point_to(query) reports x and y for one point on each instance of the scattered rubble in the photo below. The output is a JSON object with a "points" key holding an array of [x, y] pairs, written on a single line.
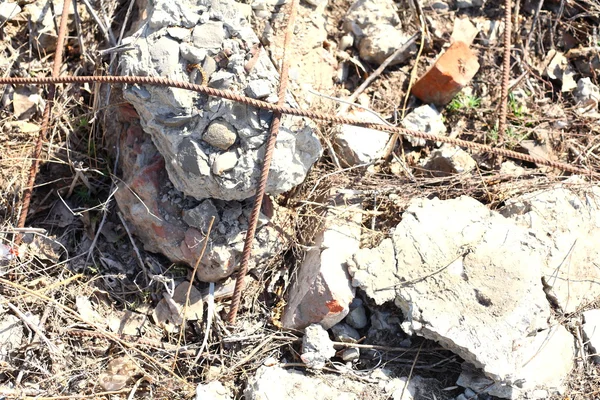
{"points": [[173, 224], [192, 131], [425, 118], [317, 348], [377, 30], [321, 292], [356, 145], [450, 283], [449, 160]]}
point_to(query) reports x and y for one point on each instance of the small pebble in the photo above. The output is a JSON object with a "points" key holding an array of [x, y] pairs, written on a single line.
{"points": [[357, 318], [351, 354]]}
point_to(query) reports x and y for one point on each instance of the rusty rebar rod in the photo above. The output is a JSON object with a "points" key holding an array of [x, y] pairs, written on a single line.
{"points": [[37, 152], [229, 95], [264, 174], [505, 69]]}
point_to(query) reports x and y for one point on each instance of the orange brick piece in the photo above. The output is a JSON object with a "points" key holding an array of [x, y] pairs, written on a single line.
{"points": [[450, 73]]}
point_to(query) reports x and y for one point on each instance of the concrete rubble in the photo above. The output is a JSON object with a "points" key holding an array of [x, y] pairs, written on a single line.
{"points": [[275, 382], [199, 157], [317, 348], [214, 147], [356, 145], [321, 292], [452, 282], [377, 30], [425, 118]]}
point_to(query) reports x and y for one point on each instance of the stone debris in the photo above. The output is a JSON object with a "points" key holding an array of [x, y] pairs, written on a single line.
{"points": [[450, 284], [425, 118], [275, 382], [356, 145], [591, 333], [169, 312], [345, 333], [213, 391], [464, 31], [449, 160], [565, 224], [173, 224], [317, 348], [216, 148], [452, 71], [9, 11], [321, 292], [377, 30], [587, 96], [357, 318]]}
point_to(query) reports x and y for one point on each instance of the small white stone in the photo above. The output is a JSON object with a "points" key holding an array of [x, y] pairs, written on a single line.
{"points": [[224, 162]]}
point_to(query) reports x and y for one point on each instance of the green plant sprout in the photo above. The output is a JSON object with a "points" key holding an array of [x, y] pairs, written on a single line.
{"points": [[464, 102]]}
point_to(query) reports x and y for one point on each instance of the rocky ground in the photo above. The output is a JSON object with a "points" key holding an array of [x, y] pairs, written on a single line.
{"points": [[382, 267]]}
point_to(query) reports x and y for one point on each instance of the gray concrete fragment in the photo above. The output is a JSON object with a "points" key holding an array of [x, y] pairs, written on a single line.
{"points": [[356, 145], [377, 29], [345, 333], [317, 348], [425, 118], [213, 391], [357, 318], [455, 261], [209, 35], [200, 216], [449, 160], [191, 53], [351, 354], [565, 225], [591, 332], [157, 53]]}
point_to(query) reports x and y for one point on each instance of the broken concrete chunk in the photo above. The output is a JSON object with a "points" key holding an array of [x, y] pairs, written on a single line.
{"points": [[377, 29], [317, 348], [322, 292], [565, 225], [201, 216], [372, 268], [345, 333], [449, 160], [425, 118], [454, 261], [191, 163], [213, 391], [452, 71], [9, 11], [357, 145]]}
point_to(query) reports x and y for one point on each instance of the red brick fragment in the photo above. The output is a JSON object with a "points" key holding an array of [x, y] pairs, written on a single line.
{"points": [[450, 73]]}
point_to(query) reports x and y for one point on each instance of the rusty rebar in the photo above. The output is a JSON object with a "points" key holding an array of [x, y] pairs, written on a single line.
{"points": [[225, 94], [505, 69], [264, 174], [37, 152]]}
